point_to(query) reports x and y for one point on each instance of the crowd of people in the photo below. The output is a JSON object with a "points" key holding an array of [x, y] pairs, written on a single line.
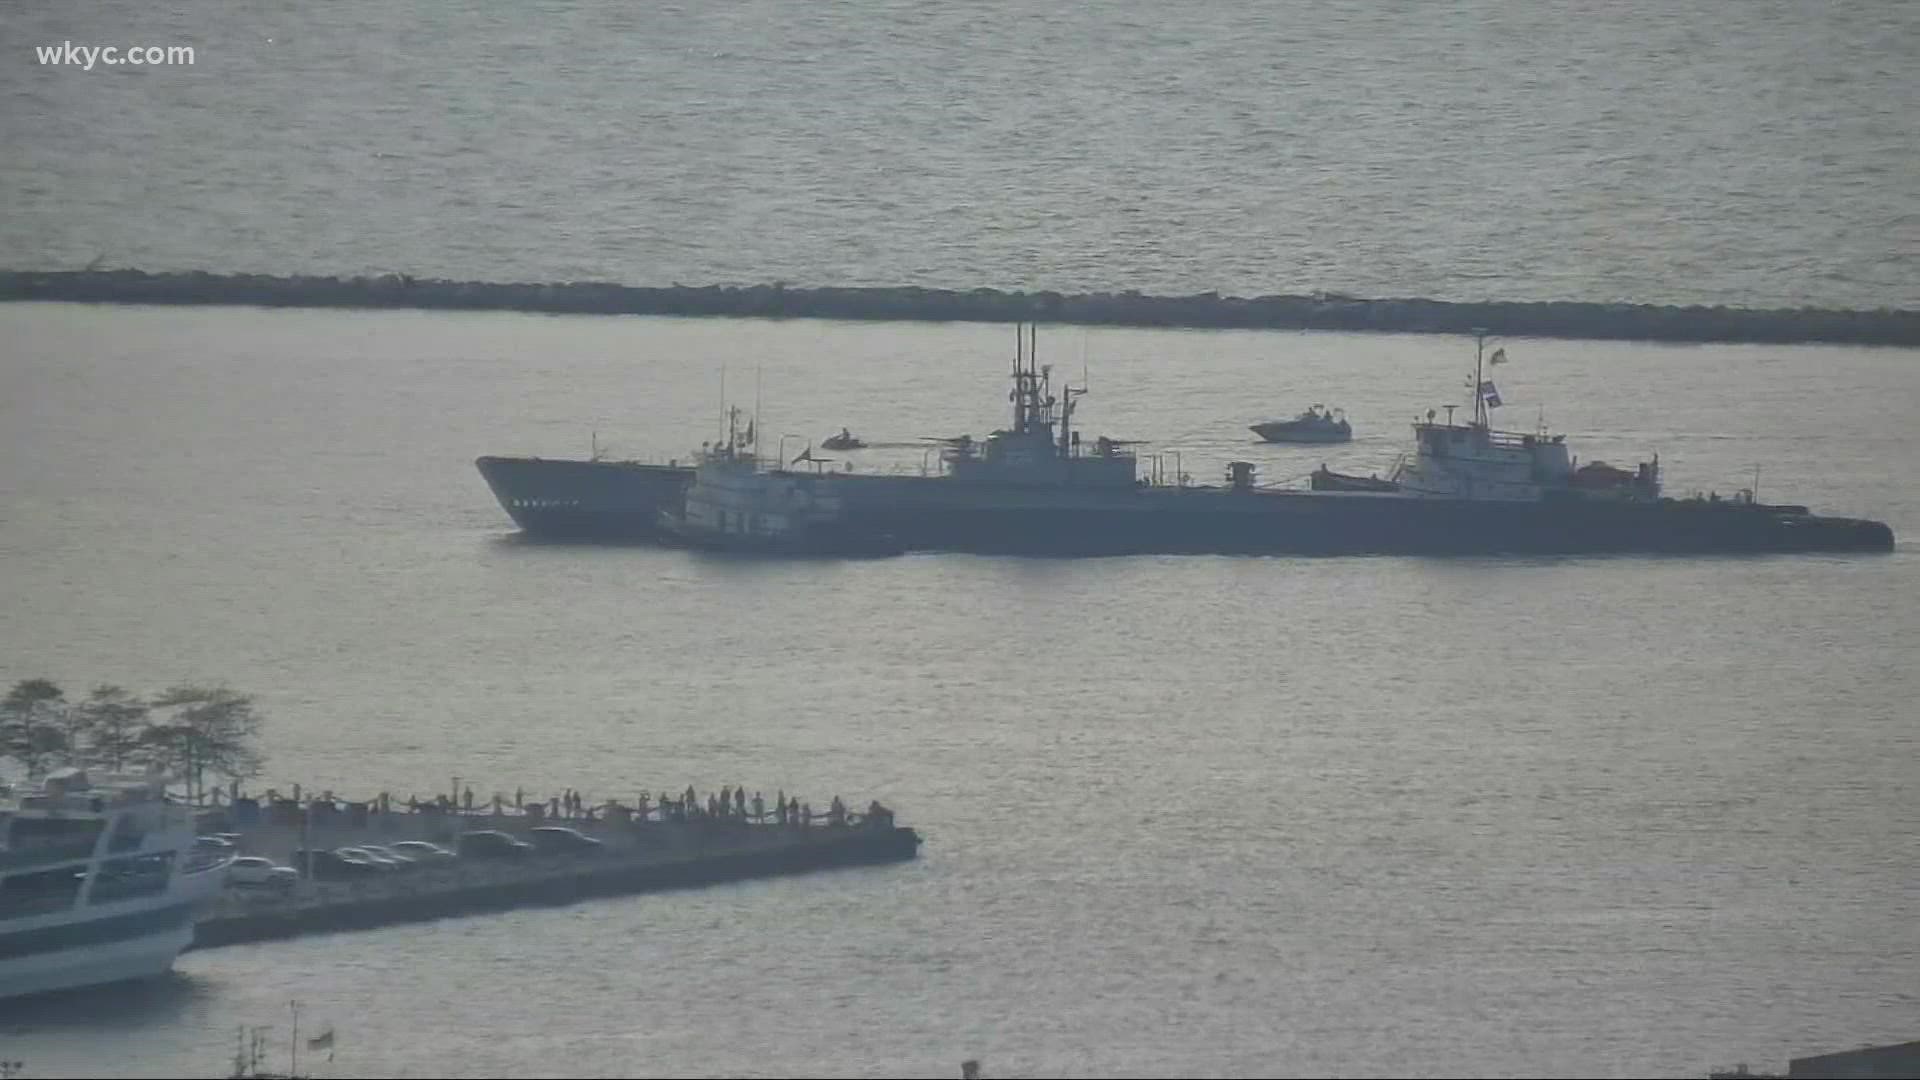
{"points": [[730, 804]]}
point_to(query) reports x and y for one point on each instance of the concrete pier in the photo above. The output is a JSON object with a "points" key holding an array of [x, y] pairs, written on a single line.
{"points": [[678, 845]]}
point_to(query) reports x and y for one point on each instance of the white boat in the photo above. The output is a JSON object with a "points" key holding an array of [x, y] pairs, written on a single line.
{"points": [[1318, 424], [100, 882]]}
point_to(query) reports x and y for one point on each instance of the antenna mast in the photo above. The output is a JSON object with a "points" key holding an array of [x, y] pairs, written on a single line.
{"points": [[1019, 376], [1479, 398]]}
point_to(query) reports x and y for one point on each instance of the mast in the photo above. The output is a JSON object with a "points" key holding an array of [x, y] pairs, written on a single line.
{"points": [[1019, 377], [1479, 398]]}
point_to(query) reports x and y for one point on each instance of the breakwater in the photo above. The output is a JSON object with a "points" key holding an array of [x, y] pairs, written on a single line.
{"points": [[1552, 319]]}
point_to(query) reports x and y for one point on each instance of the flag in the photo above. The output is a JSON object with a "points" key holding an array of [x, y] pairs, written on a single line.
{"points": [[749, 431], [322, 1041], [1489, 395], [804, 455], [1499, 357]]}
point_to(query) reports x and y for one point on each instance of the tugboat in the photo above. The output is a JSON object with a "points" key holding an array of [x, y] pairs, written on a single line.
{"points": [[846, 440], [736, 504], [1318, 424]]}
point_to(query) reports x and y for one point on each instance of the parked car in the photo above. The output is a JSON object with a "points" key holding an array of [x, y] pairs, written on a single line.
{"points": [[254, 872], [422, 851], [494, 844], [353, 851], [334, 866], [553, 839], [382, 851]]}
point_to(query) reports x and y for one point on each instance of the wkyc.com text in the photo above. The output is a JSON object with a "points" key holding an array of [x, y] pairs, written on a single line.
{"points": [[84, 57]]}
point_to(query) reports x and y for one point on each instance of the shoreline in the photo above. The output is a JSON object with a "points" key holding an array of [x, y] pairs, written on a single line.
{"points": [[1325, 312]]}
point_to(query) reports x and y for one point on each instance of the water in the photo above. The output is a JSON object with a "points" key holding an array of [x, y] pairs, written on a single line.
{"points": [[1184, 816], [1736, 152]]}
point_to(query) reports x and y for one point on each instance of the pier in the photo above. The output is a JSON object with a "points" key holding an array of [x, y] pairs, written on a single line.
{"points": [[678, 842]]}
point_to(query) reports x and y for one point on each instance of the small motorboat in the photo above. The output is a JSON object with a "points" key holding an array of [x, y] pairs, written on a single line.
{"points": [[846, 440], [1318, 424]]}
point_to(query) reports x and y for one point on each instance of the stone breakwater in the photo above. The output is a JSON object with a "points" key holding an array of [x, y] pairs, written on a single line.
{"points": [[1557, 319]]}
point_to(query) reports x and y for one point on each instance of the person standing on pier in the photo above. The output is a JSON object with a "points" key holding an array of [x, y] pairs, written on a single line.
{"points": [[759, 807], [739, 801]]}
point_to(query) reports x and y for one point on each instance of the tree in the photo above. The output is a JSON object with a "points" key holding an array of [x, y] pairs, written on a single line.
{"points": [[115, 725], [32, 723], [212, 730]]}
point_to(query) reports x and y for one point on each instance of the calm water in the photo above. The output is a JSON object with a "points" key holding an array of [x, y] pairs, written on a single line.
{"points": [[1747, 152], [1184, 816]]}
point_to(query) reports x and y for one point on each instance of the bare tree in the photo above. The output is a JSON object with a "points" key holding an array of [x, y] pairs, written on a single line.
{"points": [[32, 723], [115, 725], [211, 730]]}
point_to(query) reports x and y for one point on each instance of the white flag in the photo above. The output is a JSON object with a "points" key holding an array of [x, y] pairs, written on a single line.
{"points": [[1499, 357]]}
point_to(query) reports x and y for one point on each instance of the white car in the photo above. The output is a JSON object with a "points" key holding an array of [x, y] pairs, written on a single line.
{"points": [[422, 851], [254, 872]]}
